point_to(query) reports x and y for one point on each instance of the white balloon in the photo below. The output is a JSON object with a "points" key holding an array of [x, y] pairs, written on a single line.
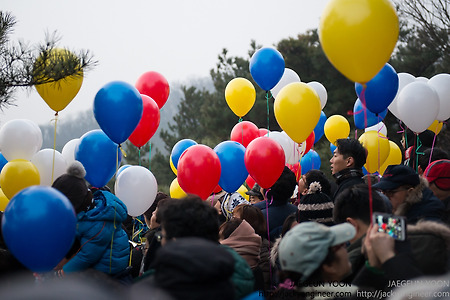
{"points": [[68, 151], [418, 104], [321, 91], [403, 80], [380, 127], [50, 164], [294, 150], [441, 84], [136, 186], [289, 76], [20, 139], [283, 141]]}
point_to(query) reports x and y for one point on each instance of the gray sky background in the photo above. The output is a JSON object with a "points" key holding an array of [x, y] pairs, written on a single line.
{"points": [[180, 39]]}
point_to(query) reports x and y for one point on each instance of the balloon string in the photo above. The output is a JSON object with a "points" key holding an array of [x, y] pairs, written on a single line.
{"points": [[124, 154], [268, 229], [131, 248], [242, 130], [54, 146], [149, 154], [356, 133], [267, 101], [117, 160], [138, 232], [139, 153], [432, 145], [419, 145]]}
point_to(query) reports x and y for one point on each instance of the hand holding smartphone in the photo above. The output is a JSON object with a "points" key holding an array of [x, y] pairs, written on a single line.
{"points": [[393, 225]]}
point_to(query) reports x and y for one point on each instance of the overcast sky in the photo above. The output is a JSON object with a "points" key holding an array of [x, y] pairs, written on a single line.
{"points": [[180, 39]]}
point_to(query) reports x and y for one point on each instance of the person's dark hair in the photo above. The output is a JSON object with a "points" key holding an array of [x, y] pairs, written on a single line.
{"points": [[352, 148], [161, 204], [287, 224], [227, 228], [283, 188], [437, 154], [152, 208], [354, 202], [189, 217], [319, 176], [254, 217]]}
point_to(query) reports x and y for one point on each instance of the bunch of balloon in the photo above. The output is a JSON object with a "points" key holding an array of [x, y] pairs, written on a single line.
{"points": [[172, 167], [250, 181], [244, 132], [17, 175], [118, 109], [319, 129], [199, 171], [441, 84], [365, 118], [233, 172], [336, 127], [380, 90], [175, 190], [394, 157], [378, 148], [264, 160], [3, 201], [154, 85], [358, 36], [321, 91], [49, 213], [136, 186], [263, 131], [240, 95], [282, 139], [297, 110], [68, 151], [99, 156], [380, 127], [403, 80], [50, 164]]}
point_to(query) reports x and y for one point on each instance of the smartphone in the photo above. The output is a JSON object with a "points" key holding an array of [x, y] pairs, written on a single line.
{"points": [[395, 226]]}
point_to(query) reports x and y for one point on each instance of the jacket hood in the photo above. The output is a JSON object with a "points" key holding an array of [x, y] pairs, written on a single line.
{"points": [[107, 208]]}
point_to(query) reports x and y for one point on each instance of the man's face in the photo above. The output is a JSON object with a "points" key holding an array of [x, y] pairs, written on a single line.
{"points": [[397, 196], [338, 162]]}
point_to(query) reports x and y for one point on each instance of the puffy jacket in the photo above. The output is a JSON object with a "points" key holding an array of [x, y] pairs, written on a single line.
{"points": [[104, 244]]}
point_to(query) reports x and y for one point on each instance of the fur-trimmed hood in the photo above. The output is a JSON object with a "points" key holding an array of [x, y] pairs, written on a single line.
{"points": [[420, 203]]}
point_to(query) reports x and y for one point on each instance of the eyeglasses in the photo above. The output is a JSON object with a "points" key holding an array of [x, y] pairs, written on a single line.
{"points": [[390, 193]]}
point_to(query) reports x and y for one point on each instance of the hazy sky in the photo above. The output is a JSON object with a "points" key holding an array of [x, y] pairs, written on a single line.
{"points": [[180, 39]]}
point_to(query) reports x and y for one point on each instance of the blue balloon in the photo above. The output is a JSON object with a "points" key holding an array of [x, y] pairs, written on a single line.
{"points": [[380, 90], [365, 172], [364, 118], [332, 148], [118, 109], [267, 67], [319, 129], [51, 217], [3, 161], [233, 171], [179, 148], [311, 161], [99, 155]]}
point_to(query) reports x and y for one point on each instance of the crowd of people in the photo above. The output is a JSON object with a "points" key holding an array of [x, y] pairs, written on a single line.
{"points": [[305, 239]]}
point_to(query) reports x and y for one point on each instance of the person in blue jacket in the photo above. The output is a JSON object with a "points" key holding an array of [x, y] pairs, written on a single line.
{"points": [[103, 243]]}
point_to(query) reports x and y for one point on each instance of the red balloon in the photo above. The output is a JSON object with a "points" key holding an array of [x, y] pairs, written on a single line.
{"points": [[264, 160], [309, 142], [217, 189], [263, 131], [155, 86], [297, 169], [148, 124], [250, 181], [244, 132], [199, 171]]}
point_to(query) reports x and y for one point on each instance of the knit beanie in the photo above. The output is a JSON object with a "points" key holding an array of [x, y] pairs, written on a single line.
{"points": [[315, 206], [74, 187]]}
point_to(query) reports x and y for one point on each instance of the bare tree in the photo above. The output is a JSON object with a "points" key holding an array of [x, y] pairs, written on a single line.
{"points": [[22, 65]]}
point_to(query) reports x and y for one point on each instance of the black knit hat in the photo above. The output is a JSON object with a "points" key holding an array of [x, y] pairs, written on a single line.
{"points": [[315, 206], [74, 187]]}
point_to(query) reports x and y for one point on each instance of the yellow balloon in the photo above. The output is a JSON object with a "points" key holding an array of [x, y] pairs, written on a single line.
{"points": [[336, 127], [240, 95], [18, 174], [176, 191], [394, 158], [358, 36], [172, 166], [60, 93], [241, 190], [3, 201], [378, 148], [436, 127], [297, 109]]}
